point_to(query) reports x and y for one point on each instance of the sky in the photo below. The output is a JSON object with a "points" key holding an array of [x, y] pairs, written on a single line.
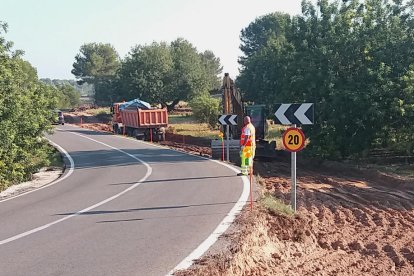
{"points": [[52, 31]]}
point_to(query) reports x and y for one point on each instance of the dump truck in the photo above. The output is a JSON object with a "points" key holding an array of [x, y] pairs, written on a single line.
{"points": [[137, 119]]}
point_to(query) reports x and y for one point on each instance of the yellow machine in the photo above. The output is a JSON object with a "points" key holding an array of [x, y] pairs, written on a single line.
{"points": [[232, 104]]}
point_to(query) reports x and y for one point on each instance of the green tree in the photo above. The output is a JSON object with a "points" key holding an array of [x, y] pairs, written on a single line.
{"points": [[257, 35], [206, 109], [68, 96], [166, 74], [213, 69], [189, 75], [146, 74], [351, 58], [97, 64], [25, 110]]}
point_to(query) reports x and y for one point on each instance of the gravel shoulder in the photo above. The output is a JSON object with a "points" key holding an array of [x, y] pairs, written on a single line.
{"points": [[44, 177]]}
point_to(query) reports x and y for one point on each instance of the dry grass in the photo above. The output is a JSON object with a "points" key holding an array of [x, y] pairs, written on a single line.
{"points": [[181, 119], [275, 205], [270, 202], [275, 133], [98, 111], [187, 125]]}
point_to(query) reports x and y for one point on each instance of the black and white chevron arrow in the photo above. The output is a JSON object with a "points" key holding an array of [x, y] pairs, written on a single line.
{"points": [[228, 119], [299, 114]]}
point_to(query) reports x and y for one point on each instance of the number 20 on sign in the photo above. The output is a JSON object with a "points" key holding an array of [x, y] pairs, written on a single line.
{"points": [[293, 139]]}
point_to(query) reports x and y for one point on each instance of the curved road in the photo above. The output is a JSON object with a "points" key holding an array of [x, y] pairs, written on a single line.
{"points": [[127, 208]]}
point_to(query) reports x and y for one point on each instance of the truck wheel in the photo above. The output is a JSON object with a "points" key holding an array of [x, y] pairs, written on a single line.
{"points": [[116, 129], [162, 134], [135, 133], [161, 137], [146, 135]]}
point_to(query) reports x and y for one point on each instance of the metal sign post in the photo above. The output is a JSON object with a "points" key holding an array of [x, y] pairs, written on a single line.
{"points": [[227, 120], [293, 190], [228, 143], [293, 138], [294, 141]]}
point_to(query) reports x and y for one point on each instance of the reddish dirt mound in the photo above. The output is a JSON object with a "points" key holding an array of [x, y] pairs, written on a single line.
{"points": [[97, 127], [80, 117], [194, 149], [187, 139], [350, 222]]}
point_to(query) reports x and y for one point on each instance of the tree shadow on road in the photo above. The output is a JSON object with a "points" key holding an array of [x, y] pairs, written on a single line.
{"points": [[103, 212], [177, 179], [114, 158]]}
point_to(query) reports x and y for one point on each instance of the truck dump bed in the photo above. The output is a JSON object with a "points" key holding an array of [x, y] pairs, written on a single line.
{"points": [[140, 118]]}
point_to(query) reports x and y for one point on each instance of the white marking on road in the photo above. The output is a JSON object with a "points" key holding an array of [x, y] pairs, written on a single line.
{"points": [[71, 169], [40, 228], [221, 228], [224, 224]]}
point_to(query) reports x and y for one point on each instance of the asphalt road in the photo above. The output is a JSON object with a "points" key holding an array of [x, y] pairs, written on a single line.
{"points": [[128, 208]]}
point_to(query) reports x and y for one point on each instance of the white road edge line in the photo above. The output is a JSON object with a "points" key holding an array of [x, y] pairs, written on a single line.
{"points": [[220, 229], [40, 228], [71, 169]]}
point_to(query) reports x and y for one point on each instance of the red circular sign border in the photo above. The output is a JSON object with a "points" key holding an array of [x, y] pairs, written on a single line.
{"points": [[300, 132]]}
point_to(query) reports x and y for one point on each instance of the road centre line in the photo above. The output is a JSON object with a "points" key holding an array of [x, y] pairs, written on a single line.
{"points": [[201, 249], [224, 224], [43, 227]]}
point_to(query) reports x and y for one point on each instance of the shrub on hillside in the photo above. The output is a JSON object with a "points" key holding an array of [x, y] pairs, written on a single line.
{"points": [[205, 109]]}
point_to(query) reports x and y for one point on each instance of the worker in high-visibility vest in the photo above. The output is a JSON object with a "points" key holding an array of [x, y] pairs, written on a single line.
{"points": [[247, 146]]}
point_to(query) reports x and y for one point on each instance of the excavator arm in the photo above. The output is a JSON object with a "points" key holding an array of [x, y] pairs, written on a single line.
{"points": [[232, 104]]}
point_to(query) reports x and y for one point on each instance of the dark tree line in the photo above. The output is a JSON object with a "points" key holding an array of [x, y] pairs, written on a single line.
{"points": [[353, 59], [157, 73]]}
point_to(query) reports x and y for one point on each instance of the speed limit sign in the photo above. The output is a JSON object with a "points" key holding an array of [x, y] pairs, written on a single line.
{"points": [[293, 139]]}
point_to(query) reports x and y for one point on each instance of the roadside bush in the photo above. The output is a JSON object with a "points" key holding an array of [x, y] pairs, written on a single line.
{"points": [[25, 115], [205, 109], [68, 96]]}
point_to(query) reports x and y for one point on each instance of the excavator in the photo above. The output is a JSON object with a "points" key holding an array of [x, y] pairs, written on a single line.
{"points": [[233, 104]]}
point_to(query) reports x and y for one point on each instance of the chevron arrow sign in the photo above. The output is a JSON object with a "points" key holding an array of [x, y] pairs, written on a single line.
{"points": [[228, 119], [290, 114]]}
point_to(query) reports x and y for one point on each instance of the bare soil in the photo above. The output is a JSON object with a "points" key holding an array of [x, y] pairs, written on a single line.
{"points": [[349, 222]]}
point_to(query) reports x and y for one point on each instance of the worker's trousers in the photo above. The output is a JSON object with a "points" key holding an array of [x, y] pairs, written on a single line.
{"points": [[246, 163]]}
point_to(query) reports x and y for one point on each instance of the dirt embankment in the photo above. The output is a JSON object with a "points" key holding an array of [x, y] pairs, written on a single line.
{"points": [[350, 222], [83, 119]]}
